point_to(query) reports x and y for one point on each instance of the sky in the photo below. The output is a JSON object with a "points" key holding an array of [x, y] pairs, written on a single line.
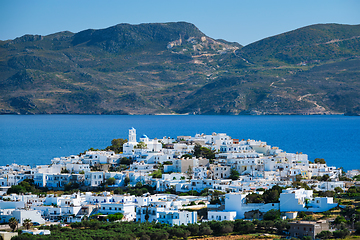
{"points": [[242, 21]]}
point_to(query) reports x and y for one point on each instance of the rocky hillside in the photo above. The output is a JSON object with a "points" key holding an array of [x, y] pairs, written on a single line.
{"points": [[175, 68]]}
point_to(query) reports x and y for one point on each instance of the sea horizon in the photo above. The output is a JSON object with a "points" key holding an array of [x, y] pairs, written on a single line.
{"points": [[36, 139]]}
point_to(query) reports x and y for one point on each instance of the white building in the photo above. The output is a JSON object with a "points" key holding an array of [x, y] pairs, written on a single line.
{"points": [[236, 202], [302, 200], [99, 157], [22, 214], [127, 209], [94, 179], [176, 217], [221, 215]]}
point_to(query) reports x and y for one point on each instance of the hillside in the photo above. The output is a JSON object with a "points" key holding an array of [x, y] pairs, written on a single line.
{"points": [[175, 68]]}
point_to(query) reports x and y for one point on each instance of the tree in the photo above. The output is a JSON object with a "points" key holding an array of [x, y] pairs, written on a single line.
{"points": [[24, 187], [156, 174], [272, 215], [357, 228], [125, 161], [27, 223], [141, 145], [117, 145], [205, 230], [204, 152], [282, 226], [243, 227], [324, 235], [189, 172], [341, 233], [71, 186], [319, 160], [339, 220], [298, 178], [194, 229], [306, 238], [338, 190], [357, 178], [234, 175], [215, 197], [272, 195], [187, 156], [254, 198], [325, 178], [13, 223], [110, 181], [115, 217], [118, 191], [126, 181]]}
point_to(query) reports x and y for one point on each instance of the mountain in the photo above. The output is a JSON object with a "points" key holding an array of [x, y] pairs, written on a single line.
{"points": [[175, 68], [321, 42]]}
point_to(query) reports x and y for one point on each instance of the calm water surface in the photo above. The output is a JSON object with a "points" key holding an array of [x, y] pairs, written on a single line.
{"points": [[37, 139]]}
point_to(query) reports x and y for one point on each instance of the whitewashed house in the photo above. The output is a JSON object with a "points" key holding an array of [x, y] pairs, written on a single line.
{"points": [[176, 217], [302, 200], [94, 179], [127, 209], [236, 202]]}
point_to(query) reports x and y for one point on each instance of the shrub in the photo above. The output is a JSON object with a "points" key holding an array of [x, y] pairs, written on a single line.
{"points": [[324, 235], [272, 215]]}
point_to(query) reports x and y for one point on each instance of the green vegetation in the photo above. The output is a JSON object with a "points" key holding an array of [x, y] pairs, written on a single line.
{"points": [[140, 145], [27, 223], [203, 152], [187, 156], [72, 187], [117, 145], [13, 223], [234, 175], [284, 74], [65, 170], [353, 191], [157, 174], [25, 186], [319, 160], [357, 178], [138, 190], [269, 196], [110, 181], [125, 161], [94, 229], [111, 218]]}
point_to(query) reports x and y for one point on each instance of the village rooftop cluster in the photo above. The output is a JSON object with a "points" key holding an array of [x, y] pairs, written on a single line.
{"points": [[238, 168]]}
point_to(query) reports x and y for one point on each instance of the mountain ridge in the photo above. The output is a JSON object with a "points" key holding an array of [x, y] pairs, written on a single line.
{"points": [[174, 68]]}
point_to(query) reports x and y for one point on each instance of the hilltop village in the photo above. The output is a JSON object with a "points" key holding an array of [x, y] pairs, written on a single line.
{"points": [[170, 180]]}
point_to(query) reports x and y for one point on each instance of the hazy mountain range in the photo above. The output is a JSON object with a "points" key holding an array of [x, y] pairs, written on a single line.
{"points": [[175, 68]]}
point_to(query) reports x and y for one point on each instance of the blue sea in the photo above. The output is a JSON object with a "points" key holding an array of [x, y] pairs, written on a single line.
{"points": [[36, 139]]}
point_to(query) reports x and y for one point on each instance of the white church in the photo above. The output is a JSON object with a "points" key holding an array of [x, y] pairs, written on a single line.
{"points": [[132, 147]]}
